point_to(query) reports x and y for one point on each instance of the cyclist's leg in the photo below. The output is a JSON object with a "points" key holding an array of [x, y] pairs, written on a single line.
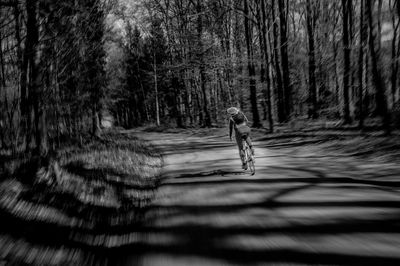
{"points": [[239, 142], [246, 134]]}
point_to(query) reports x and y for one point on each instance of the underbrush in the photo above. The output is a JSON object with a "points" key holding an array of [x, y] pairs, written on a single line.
{"points": [[367, 144], [382, 148], [98, 188]]}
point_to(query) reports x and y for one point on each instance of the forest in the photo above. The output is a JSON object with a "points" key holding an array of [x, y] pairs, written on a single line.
{"points": [[114, 144], [66, 66]]}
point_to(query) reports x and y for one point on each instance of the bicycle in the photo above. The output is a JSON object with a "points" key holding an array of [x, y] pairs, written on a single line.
{"points": [[248, 158]]}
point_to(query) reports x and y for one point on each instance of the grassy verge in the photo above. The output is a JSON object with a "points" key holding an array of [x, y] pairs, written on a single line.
{"points": [[82, 196]]}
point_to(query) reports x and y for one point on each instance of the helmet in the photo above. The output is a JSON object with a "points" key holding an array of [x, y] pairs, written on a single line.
{"points": [[232, 111]]}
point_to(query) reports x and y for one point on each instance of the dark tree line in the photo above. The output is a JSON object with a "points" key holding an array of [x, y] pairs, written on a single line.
{"points": [[52, 62], [277, 60], [65, 64]]}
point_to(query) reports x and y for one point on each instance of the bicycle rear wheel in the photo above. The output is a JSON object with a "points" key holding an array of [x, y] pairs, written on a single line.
{"points": [[250, 162], [249, 159]]}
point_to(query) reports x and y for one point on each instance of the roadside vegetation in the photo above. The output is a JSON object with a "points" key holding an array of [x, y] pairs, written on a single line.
{"points": [[90, 191], [333, 137]]}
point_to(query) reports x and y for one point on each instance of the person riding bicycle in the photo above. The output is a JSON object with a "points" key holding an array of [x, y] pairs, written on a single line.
{"points": [[238, 121]]}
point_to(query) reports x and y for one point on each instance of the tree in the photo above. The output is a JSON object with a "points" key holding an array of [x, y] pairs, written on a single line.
{"points": [[251, 68], [381, 104], [94, 64], [278, 79], [267, 64], [395, 49], [200, 56], [346, 7], [157, 50], [361, 55], [35, 92], [313, 106], [287, 86]]}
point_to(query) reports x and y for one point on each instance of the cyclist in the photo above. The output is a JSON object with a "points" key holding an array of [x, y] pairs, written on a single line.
{"points": [[238, 121]]}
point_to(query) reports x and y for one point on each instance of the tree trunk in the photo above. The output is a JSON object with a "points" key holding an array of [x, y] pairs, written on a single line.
{"points": [[381, 104], [20, 59], [36, 87], [363, 38], [346, 66], [262, 62], [397, 92], [395, 52], [281, 104], [285, 59], [156, 91], [251, 68], [267, 64], [207, 117], [95, 120], [26, 95], [312, 100]]}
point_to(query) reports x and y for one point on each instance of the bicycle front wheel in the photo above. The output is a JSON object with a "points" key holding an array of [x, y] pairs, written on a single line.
{"points": [[252, 167]]}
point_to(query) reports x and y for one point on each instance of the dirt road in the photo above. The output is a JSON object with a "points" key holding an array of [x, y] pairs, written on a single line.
{"points": [[302, 206]]}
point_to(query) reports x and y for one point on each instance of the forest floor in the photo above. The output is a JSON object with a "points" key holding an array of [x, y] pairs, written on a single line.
{"points": [[319, 196]]}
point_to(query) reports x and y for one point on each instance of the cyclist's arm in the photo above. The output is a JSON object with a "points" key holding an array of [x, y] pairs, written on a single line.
{"points": [[245, 117]]}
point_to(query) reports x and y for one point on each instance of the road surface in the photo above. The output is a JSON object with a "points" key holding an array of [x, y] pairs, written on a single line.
{"points": [[303, 206]]}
